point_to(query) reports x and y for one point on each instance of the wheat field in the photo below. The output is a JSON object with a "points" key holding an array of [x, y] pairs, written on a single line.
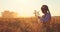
{"points": [[28, 25]]}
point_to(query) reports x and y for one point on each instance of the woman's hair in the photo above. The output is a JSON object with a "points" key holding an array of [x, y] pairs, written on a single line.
{"points": [[44, 8]]}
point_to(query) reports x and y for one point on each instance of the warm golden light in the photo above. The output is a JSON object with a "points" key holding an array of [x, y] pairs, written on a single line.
{"points": [[25, 8]]}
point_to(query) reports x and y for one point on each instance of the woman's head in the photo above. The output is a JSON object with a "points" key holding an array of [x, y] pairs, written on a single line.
{"points": [[44, 9]]}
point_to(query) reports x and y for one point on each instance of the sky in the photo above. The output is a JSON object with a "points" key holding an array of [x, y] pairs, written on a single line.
{"points": [[25, 8]]}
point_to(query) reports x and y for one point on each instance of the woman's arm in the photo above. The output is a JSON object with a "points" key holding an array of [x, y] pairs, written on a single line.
{"points": [[46, 18]]}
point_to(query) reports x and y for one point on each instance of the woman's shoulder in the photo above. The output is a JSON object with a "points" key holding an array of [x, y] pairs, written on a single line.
{"points": [[48, 14]]}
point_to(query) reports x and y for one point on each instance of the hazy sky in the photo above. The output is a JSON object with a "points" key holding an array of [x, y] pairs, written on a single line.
{"points": [[26, 8]]}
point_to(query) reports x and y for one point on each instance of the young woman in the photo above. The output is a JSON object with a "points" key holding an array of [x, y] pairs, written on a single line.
{"points": [[45, 19]]}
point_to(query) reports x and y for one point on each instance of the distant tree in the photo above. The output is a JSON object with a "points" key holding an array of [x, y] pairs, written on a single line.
{"points": [[8, 14]]}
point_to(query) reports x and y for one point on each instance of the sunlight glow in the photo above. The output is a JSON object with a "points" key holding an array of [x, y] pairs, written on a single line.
{"points": [[25, 8]]}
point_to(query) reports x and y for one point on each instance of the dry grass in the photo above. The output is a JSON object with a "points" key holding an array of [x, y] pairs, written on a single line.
{"points": [[27, 25]]}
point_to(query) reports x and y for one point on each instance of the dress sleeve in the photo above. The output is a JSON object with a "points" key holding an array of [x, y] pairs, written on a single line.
{"points": [[46, 18]]}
